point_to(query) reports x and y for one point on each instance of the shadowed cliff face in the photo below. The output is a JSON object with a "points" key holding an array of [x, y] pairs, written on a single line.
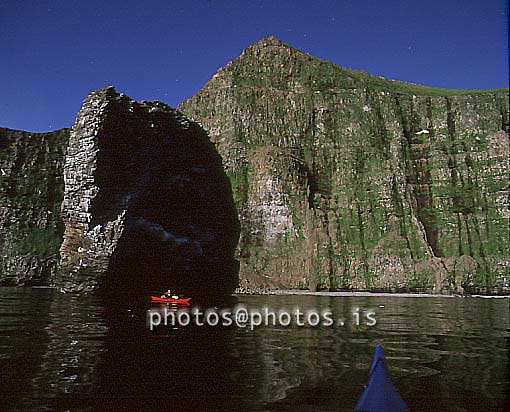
{"points": [[147, 204], [31, 192], [346, 180]]}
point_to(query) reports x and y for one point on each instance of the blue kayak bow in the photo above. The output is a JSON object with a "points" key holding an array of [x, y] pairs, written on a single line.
{"points": [[380, 395]]}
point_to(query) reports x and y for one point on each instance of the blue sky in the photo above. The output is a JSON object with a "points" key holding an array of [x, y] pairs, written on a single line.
{"points": [[56, 52]]}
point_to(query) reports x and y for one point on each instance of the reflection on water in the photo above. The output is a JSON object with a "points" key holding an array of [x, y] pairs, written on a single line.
{"points": [[62, 352]]}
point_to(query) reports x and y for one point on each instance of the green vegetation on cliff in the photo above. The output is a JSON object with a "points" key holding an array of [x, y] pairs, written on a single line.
{"points": [[344, 179], [31, 193]]}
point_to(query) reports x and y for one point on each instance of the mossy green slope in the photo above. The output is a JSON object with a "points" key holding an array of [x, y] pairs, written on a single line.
{"points": [[347, 180]]}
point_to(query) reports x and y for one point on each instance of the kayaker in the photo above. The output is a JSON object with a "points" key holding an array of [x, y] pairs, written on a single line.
{"points": [[167, 294]]}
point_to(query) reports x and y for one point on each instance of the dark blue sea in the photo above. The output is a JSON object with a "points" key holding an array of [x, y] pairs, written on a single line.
{"points": [[63, 352]]}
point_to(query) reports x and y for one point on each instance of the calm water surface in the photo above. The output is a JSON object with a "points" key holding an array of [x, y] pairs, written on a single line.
{"points": [[61, 352]]}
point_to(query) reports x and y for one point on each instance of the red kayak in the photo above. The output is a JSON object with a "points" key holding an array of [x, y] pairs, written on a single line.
{"points": [[180, 301]]}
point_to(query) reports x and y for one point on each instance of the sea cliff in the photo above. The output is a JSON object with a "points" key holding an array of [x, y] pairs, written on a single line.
{"points": [[344, 180]]}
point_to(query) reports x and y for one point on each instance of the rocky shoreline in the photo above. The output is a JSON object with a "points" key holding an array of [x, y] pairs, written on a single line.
{"points": [[296, 292]]}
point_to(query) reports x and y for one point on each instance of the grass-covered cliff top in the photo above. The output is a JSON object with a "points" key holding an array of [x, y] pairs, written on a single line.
{"points": [[275, 64]]}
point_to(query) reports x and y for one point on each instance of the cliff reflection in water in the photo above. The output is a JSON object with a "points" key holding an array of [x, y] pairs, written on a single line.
{"points": [[63, 352]]}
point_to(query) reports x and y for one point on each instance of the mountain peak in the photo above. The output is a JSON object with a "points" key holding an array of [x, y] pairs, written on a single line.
{"points": [[269, 41], [270, 63]]}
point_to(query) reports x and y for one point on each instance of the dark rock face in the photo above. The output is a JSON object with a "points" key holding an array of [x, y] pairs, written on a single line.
{"points": [[347, 180], [31, 192], [147, 204]]}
